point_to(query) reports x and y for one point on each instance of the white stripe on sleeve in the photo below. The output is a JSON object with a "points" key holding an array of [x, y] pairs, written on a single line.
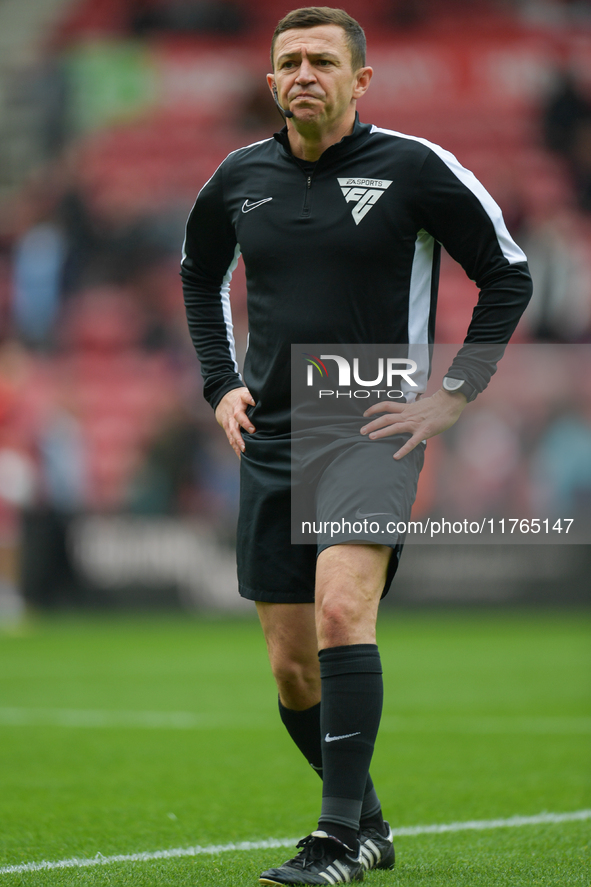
{"points": [[226, 307], [509, 248]]}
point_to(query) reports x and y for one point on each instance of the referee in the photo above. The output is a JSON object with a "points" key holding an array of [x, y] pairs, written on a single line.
{"points": [[340, 225]]}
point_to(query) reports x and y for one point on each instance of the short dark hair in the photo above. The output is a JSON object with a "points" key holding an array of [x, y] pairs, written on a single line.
{"points": [[310, 16]]}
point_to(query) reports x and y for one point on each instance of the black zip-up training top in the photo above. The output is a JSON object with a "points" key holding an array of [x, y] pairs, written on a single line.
{"points": [[344, 251]]}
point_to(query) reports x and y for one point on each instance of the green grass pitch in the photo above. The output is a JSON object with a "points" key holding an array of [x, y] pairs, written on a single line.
{"points": [[127, 734]]}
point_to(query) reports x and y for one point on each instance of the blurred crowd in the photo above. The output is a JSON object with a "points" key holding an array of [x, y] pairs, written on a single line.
{"points": [[100, 395]]}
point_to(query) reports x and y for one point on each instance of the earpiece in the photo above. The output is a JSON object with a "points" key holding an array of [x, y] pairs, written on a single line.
{"points": [[285, 111]]}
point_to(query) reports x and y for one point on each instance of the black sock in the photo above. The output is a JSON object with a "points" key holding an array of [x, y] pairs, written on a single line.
{"points": [[304, 729], [352, 694]]}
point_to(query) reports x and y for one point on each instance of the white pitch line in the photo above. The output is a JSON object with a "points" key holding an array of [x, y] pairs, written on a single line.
{"points": [[483, 824], [212, 849], [186, 720], [487, 724], [148, 720]]}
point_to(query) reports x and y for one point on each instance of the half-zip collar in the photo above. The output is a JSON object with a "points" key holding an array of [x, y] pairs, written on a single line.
{"points": [[361, 132]]}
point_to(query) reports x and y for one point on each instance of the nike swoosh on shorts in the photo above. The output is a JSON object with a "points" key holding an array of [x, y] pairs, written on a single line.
{"points": [[359, 513]]}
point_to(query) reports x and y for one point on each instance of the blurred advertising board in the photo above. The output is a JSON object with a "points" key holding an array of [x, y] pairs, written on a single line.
{"points": [[115, 80]]}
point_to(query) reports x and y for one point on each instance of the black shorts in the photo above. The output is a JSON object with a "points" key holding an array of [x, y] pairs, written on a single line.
{"points": [[270, 567]]}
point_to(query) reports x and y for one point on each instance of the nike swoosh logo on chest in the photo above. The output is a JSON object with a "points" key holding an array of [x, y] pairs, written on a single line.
{"points": [[247, 207]]}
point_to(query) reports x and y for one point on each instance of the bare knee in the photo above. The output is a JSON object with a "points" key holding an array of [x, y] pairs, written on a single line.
{"points": [[298, 681], [290, 633], [338, 620], [349, 582]]}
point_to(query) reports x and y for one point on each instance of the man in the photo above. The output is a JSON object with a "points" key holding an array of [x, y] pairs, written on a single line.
{"points": [[318, 273]]}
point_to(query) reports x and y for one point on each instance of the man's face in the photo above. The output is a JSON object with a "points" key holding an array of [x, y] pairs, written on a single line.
{"points": [[313, 74]]}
